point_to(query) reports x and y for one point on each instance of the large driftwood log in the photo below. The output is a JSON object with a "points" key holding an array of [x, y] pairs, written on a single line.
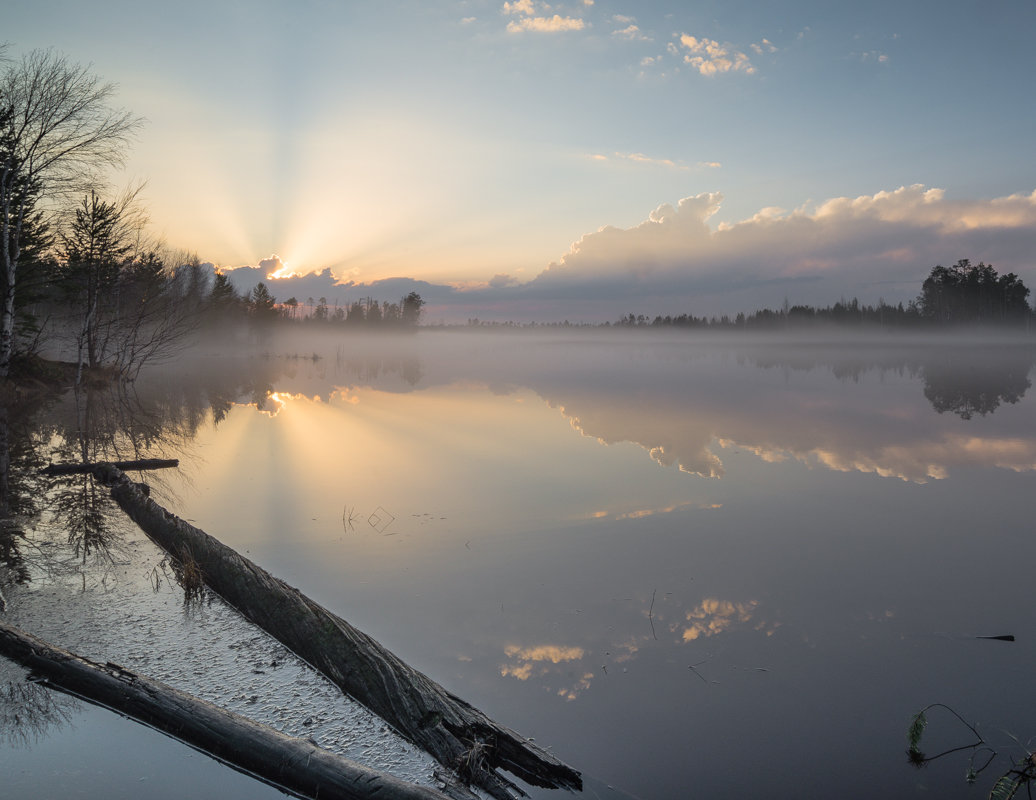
{"points": [[82, 469], [295, 765], [459, 736]]}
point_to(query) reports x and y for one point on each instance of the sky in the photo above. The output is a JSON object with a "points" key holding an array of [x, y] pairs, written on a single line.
{"points": [[582, 160]]}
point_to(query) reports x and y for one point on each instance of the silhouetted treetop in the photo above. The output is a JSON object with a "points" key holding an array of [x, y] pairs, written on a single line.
{"points": [[970, 293], [57, 135]]}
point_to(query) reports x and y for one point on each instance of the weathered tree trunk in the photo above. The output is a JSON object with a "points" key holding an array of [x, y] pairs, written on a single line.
{"points": [[86, 467], [7, 326], [11, 251], [289, 763], [458, 735]]}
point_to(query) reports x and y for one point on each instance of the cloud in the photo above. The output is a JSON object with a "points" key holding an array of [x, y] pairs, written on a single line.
{"points": [[555, 24], [874, 56], [696, 424], [527, 9], [765, 46], [519, 7], [615, 418], [325, 284], [709, 57], [640, 158], [500, 280], [537, 662], [679, 259], [713, 616], [871, 246], [668, 236], [631, 32], [274, 267]]}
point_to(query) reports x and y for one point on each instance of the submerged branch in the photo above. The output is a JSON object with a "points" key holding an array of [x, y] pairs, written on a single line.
{"points": [[84, 469]]}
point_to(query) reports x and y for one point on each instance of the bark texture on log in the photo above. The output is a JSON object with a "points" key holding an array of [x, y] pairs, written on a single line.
{"points": [[289, 763], [456, 734], [82, 469]]}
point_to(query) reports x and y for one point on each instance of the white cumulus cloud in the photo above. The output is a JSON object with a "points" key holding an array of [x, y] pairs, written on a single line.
{"points": [[631, 32], [871, 246], [520, 7], [555, 24], [710, 57]]}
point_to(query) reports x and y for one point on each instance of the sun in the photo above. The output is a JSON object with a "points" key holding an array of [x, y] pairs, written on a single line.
{"points": [[283, 271]]}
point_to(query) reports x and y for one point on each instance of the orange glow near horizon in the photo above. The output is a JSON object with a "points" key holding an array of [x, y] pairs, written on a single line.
{"points": [[283, 273], [446, 450]]}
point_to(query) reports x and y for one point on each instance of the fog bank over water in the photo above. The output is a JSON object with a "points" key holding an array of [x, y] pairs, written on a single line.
{"points": [[635, 547], [622, 531], [685, 399]]}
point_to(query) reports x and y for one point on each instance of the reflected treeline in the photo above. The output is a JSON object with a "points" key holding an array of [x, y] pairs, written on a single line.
{"points": [[122, 421], [977, 386], [58, 526], [21, 486], [649, 401], [29, 711], [157, 416], [966, 381], [112, 423], [370, 369]]}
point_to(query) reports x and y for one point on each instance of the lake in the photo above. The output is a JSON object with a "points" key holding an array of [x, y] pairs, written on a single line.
{"points": [[691, 566]]}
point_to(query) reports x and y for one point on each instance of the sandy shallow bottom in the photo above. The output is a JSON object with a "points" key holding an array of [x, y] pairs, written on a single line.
{"points": [[126, 607]]}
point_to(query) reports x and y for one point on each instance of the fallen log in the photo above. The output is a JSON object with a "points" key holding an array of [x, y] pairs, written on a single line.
{"points": [[82, 469], [456, 734], [286, 762]]}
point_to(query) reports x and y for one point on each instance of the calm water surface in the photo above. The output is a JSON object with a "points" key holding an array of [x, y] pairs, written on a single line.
{"points": [[690, 568]]}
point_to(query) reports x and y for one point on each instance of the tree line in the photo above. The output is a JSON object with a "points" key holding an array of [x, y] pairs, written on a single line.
{"points": [[964, 294], [76, 260], [262, 308]]}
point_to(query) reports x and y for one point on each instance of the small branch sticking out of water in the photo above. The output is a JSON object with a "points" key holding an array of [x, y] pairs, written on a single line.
{"points": [[651, 614], [82, 469]]}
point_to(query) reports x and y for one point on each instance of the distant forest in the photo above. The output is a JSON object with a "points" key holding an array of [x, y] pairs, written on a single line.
{"points": [[964, 294]]}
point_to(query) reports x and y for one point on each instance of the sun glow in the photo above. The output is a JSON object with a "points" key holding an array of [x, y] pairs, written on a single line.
{"points": [[284, 271]]}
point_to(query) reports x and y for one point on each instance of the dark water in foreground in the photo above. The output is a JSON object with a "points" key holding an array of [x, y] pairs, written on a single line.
{"points": [[691, 569]]}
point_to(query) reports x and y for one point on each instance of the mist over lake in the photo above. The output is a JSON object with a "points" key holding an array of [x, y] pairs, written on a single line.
{"points": [[488, 399], [691, 566]]}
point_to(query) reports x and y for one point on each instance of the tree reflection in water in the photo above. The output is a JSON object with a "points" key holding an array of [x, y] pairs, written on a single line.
{"points": [[94, 423], [29, 711], [65, 526], [973, 386], [965, 380], [665, 403]]}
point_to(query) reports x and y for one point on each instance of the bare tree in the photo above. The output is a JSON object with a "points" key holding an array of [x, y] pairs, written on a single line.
{"points": [[58, 133], [132, 300]]}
